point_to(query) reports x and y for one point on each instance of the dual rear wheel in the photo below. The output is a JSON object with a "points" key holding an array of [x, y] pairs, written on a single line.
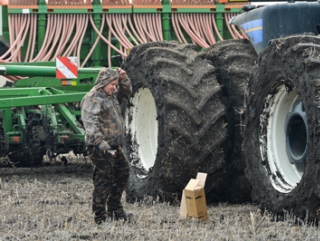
{"points": [[252, 126]]}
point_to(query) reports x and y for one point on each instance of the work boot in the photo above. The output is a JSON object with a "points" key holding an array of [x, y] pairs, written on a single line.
{"points": [[120, 215], [106, 219], [99, 219]]}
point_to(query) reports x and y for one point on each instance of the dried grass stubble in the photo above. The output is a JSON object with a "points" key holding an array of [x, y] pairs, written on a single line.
{"points": [[57, 206]]}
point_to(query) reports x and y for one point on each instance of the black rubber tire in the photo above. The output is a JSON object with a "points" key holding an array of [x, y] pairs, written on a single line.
{"points": [[234, 60], [287, 64], [191, 119], [29, 154]]}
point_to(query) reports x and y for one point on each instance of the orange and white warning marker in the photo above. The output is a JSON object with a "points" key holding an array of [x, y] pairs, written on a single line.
{"points": [[66, 68]]}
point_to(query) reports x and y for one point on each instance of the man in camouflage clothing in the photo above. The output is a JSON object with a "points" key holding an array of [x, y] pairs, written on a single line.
{"points": [[104, 124]]}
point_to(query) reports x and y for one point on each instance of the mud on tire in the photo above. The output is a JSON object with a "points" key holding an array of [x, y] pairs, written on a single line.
{"points": [[185, 131], [282, 127], [234, 60]]}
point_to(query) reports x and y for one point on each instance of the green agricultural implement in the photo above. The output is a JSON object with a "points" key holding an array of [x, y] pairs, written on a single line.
{"points": [[38, 114], [96, 32]]}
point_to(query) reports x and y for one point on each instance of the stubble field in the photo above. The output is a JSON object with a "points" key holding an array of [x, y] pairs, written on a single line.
{"points": [[54, 203]]}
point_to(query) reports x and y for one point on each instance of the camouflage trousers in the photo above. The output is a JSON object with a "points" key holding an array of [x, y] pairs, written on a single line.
{"points": [[110, 177]]}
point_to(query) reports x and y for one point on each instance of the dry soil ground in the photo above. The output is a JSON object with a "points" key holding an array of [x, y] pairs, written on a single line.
{"points": [[53, 203]]}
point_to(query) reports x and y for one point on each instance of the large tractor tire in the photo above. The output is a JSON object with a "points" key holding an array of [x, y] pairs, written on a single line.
{"points": [[175, 123], [234, 60], [282, 127]]}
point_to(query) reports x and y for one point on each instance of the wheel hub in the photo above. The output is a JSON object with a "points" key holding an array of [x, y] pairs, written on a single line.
{"points": [[297, 135]]}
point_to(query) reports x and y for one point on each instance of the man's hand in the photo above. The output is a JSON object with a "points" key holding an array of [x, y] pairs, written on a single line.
{"points": [[122, 73], [104, 146], [113, 153]]}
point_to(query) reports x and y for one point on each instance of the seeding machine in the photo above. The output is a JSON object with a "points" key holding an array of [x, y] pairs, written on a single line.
{"points": [[39, 113]]}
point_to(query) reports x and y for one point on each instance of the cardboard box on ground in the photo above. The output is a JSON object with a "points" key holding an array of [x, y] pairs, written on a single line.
{"points": [[193, 201]]}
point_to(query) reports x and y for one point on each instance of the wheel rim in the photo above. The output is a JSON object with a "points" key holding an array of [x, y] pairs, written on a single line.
{"points": [[283, 142], [142, 124]]}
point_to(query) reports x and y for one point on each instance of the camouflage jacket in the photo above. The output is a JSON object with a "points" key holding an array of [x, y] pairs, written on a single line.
{"points": [[101, 115]]}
